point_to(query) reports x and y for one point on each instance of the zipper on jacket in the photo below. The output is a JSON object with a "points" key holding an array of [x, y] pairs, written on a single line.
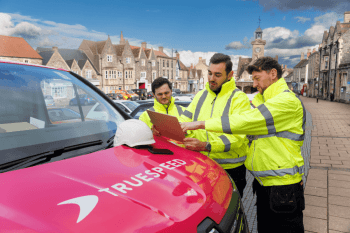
{"points": [[261, 183], [211, 115]]}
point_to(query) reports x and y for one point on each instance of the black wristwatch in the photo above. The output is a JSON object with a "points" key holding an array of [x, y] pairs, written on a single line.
{"points": [[208, 146]]}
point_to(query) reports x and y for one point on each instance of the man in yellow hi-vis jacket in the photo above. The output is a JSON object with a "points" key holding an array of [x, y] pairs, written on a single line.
{"points": [[163, 102], [220, 98], [274, 157]]}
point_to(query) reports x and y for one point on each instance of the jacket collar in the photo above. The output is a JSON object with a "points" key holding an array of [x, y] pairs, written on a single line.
{"points": [[158, 105], [275, 89], [226, 87]]}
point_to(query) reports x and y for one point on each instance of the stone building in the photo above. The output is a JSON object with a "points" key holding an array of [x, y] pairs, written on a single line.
{"points": [[17, 49], [300, 74], [70, 59], [182, 74], [202, 65], [335, 62], [194, 80], [313, 73]]}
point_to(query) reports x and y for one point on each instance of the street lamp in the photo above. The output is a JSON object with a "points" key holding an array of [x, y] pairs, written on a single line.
{"points": [[172, 65]]}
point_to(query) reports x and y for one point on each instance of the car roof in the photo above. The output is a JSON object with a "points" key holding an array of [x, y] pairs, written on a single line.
{"points": [[29, 64]]}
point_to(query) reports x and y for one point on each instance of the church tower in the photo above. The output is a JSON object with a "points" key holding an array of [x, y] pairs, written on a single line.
{"points": [[258, 44]]}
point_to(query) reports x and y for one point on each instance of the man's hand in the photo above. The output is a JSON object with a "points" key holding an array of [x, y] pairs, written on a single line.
{"points": [[192, 125], [194, 144], [155, 131]]}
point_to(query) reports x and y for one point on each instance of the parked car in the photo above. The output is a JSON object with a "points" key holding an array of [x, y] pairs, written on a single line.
{"points": [[49, 101], [115, 96], [150, 95], [177, 91], [144, 106], [132, 95], [142, 93], [184, 97], [71, 178], [84, 100]]}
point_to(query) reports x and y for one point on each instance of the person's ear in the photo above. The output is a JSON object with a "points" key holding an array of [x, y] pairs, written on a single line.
{"points": [[229, 76], [274, 74]]}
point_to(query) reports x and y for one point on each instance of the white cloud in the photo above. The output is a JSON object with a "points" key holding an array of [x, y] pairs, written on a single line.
{"points": [[237, 45], [302, 19]]}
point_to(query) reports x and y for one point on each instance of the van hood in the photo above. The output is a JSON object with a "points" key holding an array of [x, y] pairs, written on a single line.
{"points": [[120, 189]]}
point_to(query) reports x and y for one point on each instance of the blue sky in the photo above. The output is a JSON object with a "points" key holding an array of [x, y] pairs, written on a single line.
{"points": [[194, 28]]}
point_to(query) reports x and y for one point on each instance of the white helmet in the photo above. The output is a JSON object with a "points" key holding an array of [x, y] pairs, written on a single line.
{"points": [[133, 133]]}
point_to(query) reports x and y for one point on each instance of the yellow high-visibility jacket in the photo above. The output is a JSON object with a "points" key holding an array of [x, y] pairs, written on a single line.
{"points": [[258, 99], [226, 149], [274, 157], [173, 110]]}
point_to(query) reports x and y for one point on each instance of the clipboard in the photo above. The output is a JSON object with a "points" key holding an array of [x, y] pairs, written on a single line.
{"points": [[168, 126]]}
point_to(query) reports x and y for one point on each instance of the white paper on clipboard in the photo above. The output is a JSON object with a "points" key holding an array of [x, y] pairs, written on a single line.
{"points": [[168, 126]]}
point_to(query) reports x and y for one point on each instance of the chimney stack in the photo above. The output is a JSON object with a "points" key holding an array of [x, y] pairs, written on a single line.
{"points": [[302, 56], [285, 67], [144, 45], [54, 48], [178, 56], [314, 50], [160, 48], [308, 53], [347, 17], [200, 58]]}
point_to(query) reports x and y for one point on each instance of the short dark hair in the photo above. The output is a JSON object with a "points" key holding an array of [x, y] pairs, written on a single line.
{"points": [[265, 64], [218, 58], [158, 82]]}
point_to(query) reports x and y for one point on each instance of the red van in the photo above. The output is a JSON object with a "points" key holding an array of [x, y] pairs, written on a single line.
{"points": [[65, 174]]}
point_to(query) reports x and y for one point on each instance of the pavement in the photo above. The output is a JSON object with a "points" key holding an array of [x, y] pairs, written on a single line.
{"points": [[326, 153]]}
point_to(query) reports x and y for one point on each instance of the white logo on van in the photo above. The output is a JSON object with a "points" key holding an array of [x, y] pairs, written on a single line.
{"points": [[86, 204]]}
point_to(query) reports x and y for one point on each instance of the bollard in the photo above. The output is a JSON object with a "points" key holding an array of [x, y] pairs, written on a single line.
{"points": [[316, 100]]}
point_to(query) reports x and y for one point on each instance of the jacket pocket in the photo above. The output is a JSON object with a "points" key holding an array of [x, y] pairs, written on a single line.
{"points": [[283, 199]]}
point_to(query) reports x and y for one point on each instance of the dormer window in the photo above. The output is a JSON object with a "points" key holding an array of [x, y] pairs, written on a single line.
{"points": [[143, 62], [153, 63], [128, 60], [109, 58]]}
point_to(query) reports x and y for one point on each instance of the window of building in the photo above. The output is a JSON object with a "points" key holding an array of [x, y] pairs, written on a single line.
{"points": [[168, 73], [114, 74], [128, 60], [163, 63], [120, 87], [177, 72], [326, 62], [126, 87], [110, 74], [120, 74], [154, 75], [126, 74], [143, 62], [130, 73], [172, 64], [163, 73], [109, 58], [26, 61], [88, 73], [59, 92], [167, 63], [153, 63], [143, 74], [106, 74]]}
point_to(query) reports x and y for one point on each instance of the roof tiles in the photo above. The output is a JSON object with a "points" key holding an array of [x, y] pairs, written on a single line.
{"points": [[16, 47]]}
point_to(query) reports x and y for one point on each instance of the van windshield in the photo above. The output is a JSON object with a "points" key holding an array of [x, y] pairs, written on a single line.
{"points": [[45, 110]]}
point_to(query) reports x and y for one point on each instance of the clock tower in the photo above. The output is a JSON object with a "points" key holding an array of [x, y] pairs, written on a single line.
{"points": [[258, 44]]}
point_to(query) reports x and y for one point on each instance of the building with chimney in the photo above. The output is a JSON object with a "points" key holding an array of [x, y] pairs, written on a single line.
{"points": [[17, 49], [334, 52], [202, 65], [300, 74], [313, 73]]}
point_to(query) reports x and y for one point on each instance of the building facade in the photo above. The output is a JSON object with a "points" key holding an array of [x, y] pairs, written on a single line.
{"points": [[17, 49], [313, 73]]}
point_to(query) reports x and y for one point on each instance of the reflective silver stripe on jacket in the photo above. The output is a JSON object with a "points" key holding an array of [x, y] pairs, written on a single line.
{"points": [[187, 114], [230, 161], [280, 172], [226, 142], [179, 109], [287, 134], [199, 105], [225, 122], [268, 118]]}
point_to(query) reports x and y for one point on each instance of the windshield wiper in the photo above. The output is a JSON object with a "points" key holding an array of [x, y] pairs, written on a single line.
{"points": [[44, 157]]}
